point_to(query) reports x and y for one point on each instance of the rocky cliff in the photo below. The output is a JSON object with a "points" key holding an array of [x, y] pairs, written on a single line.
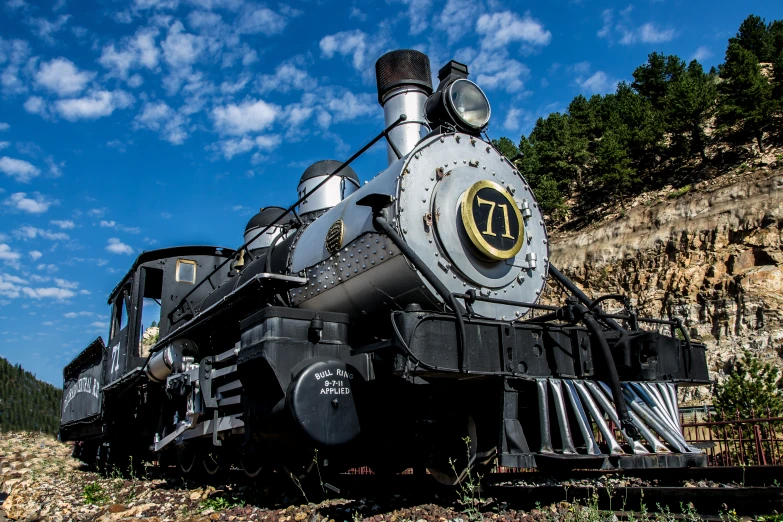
{"points": [[710, 254]]}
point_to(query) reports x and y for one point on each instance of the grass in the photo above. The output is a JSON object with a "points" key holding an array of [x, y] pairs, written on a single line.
{"points": [[218, 504], [93, 494], [470, 489], [679, 192]]}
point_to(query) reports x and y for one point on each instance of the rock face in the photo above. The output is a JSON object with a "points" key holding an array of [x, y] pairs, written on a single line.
{"points": [[711, 257]]}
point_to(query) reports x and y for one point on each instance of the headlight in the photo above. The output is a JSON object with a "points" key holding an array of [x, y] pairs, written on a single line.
{"points": [[468, 103], [459, 103]]}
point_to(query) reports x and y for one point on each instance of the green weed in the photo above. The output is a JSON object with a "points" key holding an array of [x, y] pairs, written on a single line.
{"points": [[93, 494], [218, 504], [679, 192]]}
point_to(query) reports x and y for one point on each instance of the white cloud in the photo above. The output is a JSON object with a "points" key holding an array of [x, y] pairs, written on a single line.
{"points": [[62, 77], [117, 226], [21, 170], [96, 212], [418, 12], [35, 255], [49, 269], [233, 146], [64, 283], [159, 117], [351, 106], [36, 105], [649, 33], [8, 255], [74, 315], [103, 325], [597, 83], [607, 16], [236, 146], [36, 204], [16, 54], [28, 232], [496, 69], [116, 246], [66, 224], [4, 144], [182, 49], [4, 126], [139, 51], [701, 54], [8, 288], [249, 116], [55, 168], [287, 77], [501, 29], [96, 104], [45, 29], [255, 20], [360, 47], [513, 121], [627, 33], [457, 18], [43, 293]]}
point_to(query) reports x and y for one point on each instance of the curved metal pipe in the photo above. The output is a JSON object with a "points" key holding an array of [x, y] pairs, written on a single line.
{"points": [[571, 287], [379, 218]]}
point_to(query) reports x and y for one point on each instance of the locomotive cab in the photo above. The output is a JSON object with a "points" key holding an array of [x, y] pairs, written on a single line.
{"points": [[152, 291]]}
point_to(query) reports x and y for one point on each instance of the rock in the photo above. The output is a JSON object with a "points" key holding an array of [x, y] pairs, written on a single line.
{"points": [[117, 508], [712, 257]]}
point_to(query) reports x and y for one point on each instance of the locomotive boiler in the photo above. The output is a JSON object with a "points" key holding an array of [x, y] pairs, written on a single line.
{"points": [[383, 325]]}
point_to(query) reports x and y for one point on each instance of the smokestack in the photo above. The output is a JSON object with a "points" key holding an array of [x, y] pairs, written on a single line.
{"points": [[404, 83]]}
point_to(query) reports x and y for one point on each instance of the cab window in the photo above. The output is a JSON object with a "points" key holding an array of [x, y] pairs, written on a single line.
{"points": [[186, 271]]}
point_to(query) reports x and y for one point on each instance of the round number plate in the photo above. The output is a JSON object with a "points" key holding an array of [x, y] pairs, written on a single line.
{"points": [[492, 220]]}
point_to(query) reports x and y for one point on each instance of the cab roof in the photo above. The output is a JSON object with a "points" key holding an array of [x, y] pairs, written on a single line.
{"points": [[165, 253]]}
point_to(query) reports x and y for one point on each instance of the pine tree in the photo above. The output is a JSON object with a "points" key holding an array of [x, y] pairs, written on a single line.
{"points": [[692, 100], [652, 80], [777, 80], [25, 402], [746, 95], [636, 125], [752, 386], [561, 150], [613, 166], [506, 147], [756, 37]]}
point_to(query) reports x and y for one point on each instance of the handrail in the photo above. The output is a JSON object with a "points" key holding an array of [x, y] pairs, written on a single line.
{"points": [[361, 151]]}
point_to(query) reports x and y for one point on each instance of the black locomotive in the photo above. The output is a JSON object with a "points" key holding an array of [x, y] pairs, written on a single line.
{"points": [[382, 325]]}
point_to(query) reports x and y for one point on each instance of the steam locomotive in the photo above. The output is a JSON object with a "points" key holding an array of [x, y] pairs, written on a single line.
{"points": [[394, 324]]}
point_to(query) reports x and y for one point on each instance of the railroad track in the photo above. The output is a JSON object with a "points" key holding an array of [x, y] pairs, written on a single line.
{"points": [[749, 491]]}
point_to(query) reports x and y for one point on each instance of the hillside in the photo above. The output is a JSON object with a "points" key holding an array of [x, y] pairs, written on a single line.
{"points": [[27, 403], [668, 190]]}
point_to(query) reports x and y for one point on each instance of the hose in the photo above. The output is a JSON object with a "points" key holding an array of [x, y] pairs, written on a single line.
{"points": [[618, 397]]}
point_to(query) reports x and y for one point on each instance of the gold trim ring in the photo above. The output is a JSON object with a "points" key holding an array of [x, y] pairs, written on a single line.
{"points": [[472, 228]]}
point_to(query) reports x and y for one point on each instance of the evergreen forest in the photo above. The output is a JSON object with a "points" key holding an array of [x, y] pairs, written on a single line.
{"points": [[674, 124], [25, 402]]}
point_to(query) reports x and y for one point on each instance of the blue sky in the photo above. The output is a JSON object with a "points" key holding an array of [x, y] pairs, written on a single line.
{"points": [[128, 126]]}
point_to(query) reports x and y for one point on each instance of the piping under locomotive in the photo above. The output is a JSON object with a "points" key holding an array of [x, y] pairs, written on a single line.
{"points": [[380, 325]]}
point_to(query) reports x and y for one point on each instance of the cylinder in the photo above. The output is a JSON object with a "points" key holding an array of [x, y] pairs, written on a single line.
{"points": [[163, 363], [404, 82]]}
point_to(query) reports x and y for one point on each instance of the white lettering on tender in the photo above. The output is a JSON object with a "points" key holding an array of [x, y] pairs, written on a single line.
{"points": [[83, 385]]}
